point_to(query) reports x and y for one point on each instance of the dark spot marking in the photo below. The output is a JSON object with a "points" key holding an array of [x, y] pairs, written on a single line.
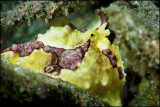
{"points": [[121, 76], [113, 63], [107, 52], [112, 58]]}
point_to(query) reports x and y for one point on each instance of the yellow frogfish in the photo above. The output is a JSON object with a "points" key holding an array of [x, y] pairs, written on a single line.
{"points": [[85, 58]]}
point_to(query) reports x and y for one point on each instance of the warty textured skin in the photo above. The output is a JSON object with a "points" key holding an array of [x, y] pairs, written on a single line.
{"points": [[81, 59], [78, 57]]}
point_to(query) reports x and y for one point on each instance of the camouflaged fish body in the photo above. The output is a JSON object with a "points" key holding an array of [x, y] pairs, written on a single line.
{"points": [[86, 59]]}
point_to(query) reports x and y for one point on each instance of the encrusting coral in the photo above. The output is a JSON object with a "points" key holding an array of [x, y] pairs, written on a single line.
{"points": [[137, 38], [30, 10], [140, 42]]}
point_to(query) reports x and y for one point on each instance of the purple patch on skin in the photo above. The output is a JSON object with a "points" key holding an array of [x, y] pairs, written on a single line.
{"points": [[70, 58], [25, 49], [107, 52], [121, 76], [61, 58], [57, 51], [112, 58]]}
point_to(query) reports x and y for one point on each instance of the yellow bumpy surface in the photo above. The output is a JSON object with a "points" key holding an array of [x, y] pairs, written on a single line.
{"points": [[94, 74]]}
